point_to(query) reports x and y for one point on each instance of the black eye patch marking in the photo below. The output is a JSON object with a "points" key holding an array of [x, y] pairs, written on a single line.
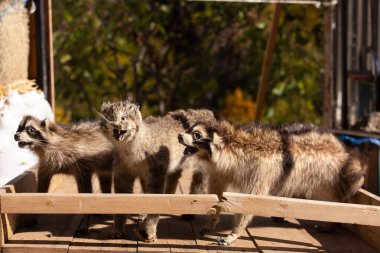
{"points": [[197, 135], [31, 131], [20, 128]]}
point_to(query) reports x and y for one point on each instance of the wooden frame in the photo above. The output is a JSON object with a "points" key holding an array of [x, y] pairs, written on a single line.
{"points": [[15, 200]]}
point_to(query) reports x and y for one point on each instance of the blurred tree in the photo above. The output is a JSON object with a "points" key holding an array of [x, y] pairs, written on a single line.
{"points": [[178, 54], [238, 108]]}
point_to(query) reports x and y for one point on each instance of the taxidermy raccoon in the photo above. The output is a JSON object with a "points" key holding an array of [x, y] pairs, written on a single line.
{"points": [[146, 149], [290, 161], [188, 118], [78, 149]]}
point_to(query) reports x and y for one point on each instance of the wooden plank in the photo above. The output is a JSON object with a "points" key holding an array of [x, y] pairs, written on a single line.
{"points": [[101, 203], [356, 133], [286, 236], [25, 182], [370, 234], [49, 51], [53, 233], [301, 209], [100, 230], [340, 240], [97, 238]]}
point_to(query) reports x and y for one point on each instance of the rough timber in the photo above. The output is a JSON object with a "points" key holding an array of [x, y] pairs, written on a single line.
{"points": [[56, 233]]}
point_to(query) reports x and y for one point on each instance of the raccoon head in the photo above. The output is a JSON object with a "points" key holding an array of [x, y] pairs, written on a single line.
{"points": [[201, 139], [120, 119], [33, 133]]}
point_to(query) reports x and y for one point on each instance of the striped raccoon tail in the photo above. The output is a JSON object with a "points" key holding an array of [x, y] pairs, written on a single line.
{"points": [[352, 175]]}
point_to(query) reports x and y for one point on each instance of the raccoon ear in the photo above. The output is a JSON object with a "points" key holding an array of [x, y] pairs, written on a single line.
{"points": [[105, 105], [217, 139], [47, 124]]}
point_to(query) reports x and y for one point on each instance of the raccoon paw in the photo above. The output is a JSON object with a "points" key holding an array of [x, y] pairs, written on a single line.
{"points": [[117, 235], [223, 241], [204, 231], [141, 217], [187, 217], [143, 236]]}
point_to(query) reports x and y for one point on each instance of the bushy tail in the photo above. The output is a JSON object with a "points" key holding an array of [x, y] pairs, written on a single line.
{"points": [[352, 175]]}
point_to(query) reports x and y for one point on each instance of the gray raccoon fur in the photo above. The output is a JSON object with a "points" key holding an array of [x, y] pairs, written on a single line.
{"points": [[146, 149], [78, 149], [290, 161]]}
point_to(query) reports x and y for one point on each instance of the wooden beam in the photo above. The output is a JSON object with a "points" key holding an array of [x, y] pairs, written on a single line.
{"points": [[301, 209], [370, 234], [25, 182], [107, 203], [315, 2], [50, 54], [190, 204], [267, 64]]}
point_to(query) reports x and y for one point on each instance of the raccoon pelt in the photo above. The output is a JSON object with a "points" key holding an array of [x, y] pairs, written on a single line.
{"points": [[291, 161]]}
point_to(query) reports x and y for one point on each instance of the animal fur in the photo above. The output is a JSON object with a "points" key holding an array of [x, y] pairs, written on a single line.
{"points": [[146, 149], [290, 161], [187, 119], [78, 149]]}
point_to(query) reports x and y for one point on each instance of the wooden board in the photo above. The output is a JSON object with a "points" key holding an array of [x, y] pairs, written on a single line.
{"points": [[97, 240], [25, 182], [53, 233], [370, 234], [286, 236], [301, 209], [101, 203], [340, 240]]}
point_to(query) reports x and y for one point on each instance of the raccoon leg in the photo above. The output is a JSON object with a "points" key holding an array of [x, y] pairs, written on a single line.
{"points": [[172, 181], [84, 186], [156, 184], [44, 179], [215, 187], [325, 193], [43, 183], [198, 182], [241, 222], [123, 184], [198, 186], [105, 181]]}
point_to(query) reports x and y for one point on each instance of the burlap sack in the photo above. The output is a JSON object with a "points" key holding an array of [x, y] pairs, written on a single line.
{"points": [[14, 41]]}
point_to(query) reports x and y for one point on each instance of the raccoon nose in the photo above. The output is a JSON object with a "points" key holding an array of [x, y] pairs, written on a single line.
{"points": [[17, 137], [180, 138]]}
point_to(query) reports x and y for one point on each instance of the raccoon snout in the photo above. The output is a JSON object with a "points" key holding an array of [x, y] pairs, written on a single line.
{"points": [[17, 137], [116, 126]]}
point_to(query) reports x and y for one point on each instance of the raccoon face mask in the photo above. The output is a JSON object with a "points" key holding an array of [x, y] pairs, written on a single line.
{"points": [[32, 132], [121, 119], [197, 140]]}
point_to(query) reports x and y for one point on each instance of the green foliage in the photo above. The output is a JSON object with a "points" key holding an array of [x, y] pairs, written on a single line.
{"points": [[179, 54]]}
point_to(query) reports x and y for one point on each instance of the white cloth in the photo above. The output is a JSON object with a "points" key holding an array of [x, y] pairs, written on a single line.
{"points": [[15, 160]]}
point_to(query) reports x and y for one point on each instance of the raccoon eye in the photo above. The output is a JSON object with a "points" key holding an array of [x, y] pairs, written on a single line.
{"points": [[124, 117], [197, 136], [30, 130]]}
